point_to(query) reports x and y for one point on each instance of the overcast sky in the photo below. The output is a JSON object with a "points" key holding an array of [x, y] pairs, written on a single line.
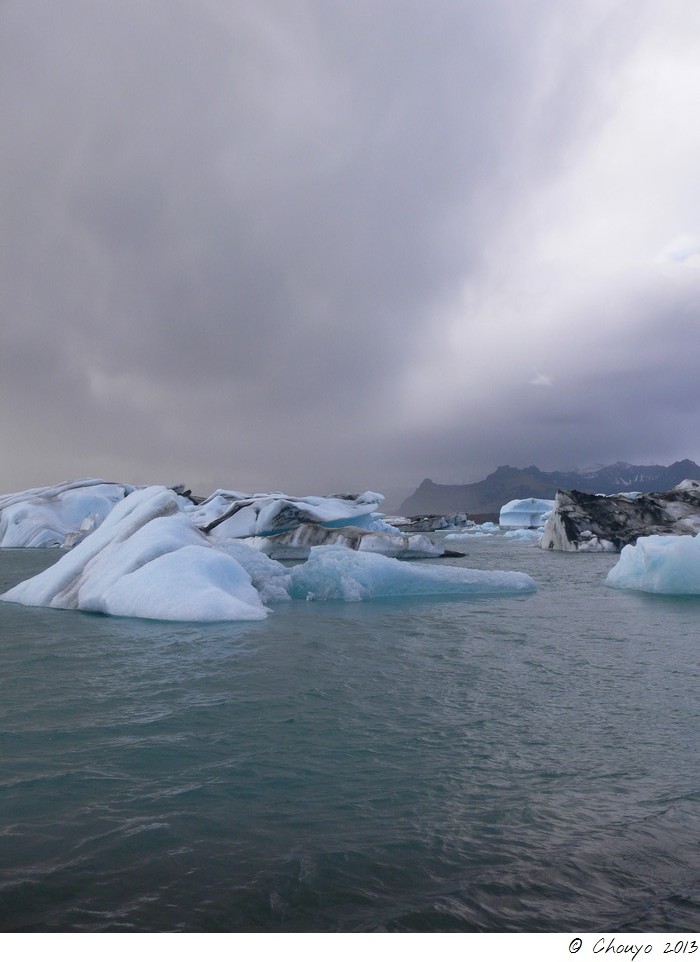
{"points": [[314, 245]]}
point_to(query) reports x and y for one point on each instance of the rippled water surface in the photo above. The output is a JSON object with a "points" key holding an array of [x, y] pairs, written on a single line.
{"points": [[500, 764]]}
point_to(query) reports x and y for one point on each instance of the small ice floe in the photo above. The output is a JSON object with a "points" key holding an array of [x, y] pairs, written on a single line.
{"points": [[336, 573], [524, 535], [486, 530]]}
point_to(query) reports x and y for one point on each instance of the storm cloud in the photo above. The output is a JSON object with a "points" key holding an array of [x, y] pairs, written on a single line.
{"points": [[322, 245]]}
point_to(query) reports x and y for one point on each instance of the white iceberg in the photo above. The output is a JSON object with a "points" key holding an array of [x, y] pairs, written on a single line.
{"points": [[525, 513], [337, 573], [231, 514], [146, 560], [61, 515], [58, 515], [660, 564]]}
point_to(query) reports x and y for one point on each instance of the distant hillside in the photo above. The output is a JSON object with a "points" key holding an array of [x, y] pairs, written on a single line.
{"points": [[506, 483]]}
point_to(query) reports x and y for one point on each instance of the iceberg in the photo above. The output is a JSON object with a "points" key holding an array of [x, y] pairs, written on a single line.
{"points": [[597, 522], [486, 530], [659, 564], [64, 514], [524, 535], [231, 514], [384, 540], [429, 522], [290, 526], [337, 573], [525, 513], [59, 515], [147, 560]]}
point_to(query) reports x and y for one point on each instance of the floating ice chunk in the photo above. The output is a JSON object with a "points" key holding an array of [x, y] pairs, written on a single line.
{"points": [[234, 515], [433, 522], [486, 530], [588, 522], [336, 573], [146, 560], [524, 535], [660, 564], [594, 544], [474, 532], [58, 515], [401, 545], [387, 540], [525, 513]]}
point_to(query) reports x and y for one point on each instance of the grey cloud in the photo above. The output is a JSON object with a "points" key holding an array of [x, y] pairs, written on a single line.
{"points": [[637, 398], [240, 220]]}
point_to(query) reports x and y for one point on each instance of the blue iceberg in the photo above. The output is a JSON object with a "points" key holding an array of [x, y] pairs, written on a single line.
{"points": [[660, 564]]}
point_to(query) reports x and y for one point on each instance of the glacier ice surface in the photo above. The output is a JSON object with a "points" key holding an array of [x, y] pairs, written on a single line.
{"points": [[659, 564]]}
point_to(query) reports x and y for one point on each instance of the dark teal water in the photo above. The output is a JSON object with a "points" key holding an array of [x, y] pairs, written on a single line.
{"points": [[504, 764]]}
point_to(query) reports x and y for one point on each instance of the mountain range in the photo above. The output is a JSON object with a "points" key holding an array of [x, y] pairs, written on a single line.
{"points": [[507, 483]]}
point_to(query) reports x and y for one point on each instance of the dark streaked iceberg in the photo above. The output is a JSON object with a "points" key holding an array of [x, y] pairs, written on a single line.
{"points": [[231, 514], [594, 522], [392, 543]]}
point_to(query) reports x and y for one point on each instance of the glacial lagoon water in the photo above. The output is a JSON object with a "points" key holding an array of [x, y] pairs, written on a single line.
{"points": [[502, 764]]}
